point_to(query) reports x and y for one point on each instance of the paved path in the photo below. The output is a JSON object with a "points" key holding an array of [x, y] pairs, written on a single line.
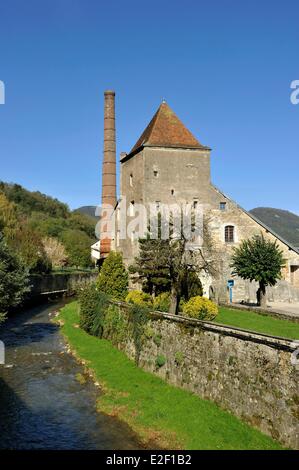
{"points": [[285, 307]]}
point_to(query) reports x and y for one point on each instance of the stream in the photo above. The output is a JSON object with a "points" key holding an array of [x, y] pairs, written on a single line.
{"points": [[42, 403]]}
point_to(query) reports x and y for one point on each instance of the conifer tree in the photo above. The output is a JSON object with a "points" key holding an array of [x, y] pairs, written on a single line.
{"points": [[168, 265], [113, 277]]}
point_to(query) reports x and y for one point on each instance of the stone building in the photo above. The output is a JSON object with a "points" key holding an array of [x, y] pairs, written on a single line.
{"points": [[168, 165]]}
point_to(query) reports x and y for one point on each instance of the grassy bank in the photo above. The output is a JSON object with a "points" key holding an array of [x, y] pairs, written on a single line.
{"points": [[257, 322], [162, 414]]}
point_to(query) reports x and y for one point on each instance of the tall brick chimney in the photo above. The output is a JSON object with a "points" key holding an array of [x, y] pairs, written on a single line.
{"points": [[108, 171]]}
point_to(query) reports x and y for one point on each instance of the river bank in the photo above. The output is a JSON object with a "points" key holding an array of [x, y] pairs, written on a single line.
{"points": [[157, 412], [47, 401]]}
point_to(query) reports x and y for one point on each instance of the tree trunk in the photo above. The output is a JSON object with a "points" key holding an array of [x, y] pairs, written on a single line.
{"points": [[261, 296], [174, 301]]}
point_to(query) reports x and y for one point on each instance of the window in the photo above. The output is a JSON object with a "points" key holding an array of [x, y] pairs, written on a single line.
{"points": [[222, 206], [172, 192], [156, 173], [195, 204], [131, 209], [229, 234], [131, 179]]}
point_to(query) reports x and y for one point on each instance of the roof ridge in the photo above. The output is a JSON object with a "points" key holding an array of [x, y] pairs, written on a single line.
{"points": [[166, 130], [155, 118]]}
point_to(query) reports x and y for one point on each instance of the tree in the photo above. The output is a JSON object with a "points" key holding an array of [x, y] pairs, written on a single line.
{"points": [[172, 264], [13, 278], [28, 244], [77, 246], [260, 260], [82, 222], [113, 276], [8, 216], [151, 266], [55, 251]]}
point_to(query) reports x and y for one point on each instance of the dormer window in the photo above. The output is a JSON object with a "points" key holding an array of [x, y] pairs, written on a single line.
{"points": [[222, 206]]}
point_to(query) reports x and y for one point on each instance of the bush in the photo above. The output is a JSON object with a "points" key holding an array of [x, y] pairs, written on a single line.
{"points": [[179, 358], [157, 339], [160, 361], [138, 297], [2, 317], [77, 245], [93, 305], [14, 281], [138, 318], [162, 302], [113, 277], [200, 308], [114, 325]]}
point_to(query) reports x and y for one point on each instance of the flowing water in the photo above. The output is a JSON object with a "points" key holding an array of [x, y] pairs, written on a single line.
{"points": [[42, 403]]}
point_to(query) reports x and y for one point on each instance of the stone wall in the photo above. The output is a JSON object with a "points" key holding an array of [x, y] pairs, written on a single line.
{"points": [[250, 375], [51, 283]]}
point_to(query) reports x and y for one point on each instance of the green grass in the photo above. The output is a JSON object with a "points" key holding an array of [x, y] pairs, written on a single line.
{"points": [[256, 322], [158, 412]]}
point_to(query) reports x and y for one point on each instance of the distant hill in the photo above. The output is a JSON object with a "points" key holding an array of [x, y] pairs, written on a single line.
{"points": [[284, 223], [87, 210]]}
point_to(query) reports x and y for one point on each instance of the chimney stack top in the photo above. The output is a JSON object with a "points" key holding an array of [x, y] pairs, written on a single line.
{"points": [[109, 92]]}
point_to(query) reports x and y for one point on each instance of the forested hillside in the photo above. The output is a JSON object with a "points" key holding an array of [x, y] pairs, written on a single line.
{"points": [[43, 230]]}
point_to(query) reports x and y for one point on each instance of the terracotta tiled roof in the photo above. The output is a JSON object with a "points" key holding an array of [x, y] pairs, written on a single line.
{"points": [[166, 130]]}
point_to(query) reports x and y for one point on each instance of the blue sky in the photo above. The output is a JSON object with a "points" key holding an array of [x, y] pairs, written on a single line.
{"points": [[225, 67]]}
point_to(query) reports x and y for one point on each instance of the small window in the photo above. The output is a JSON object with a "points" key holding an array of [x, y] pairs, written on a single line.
{"points": [[222, 206], [131, 179], [195, 204], [172, 192], [229, 234], [131, 209], [156, 173]]}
